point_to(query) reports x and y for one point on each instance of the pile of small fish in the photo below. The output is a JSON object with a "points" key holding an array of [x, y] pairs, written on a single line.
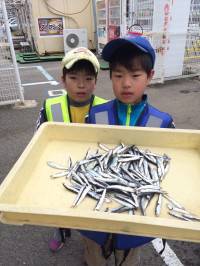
{"points": [[124, 174]]}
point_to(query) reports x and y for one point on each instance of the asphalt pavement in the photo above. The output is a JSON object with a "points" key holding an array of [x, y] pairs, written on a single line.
{"points": [[28, 245]]}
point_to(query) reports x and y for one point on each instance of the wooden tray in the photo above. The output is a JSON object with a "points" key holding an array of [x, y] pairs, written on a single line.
{"points": [[29, 196]]}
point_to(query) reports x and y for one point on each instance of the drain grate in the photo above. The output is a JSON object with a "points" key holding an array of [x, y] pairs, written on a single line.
{"points": [[54, 93], [185, 91]]}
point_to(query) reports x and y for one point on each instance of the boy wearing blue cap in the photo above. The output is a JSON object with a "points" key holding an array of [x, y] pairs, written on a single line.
{"points": [[131, 61], [80, 68]]}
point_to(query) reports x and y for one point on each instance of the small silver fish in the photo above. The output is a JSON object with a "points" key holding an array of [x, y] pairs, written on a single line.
{"points": [[56, 165], [158, 205], [103, 147], [78, 195], [179, 216], [101, 200], [60, 174], [175, 209], [84, 193], [191, 217], [175, 203]]}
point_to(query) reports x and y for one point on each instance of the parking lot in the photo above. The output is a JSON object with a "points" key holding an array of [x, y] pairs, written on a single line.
{"points": [[28, 245]]}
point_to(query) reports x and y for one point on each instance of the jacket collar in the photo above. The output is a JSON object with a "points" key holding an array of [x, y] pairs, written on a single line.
{"points": [[128, 114], [125, 106]]}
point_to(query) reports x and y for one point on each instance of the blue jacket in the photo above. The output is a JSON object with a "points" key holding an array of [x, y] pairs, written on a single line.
{"points": [[147, 116]]}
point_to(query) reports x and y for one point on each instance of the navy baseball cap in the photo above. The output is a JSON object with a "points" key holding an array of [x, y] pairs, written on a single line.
{"points": [[138, 41]]}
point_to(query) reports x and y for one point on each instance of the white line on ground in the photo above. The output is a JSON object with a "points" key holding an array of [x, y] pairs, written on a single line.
{"points": [[50, 79], [168, 255], [42, 70], [28, 66], [45, 73], [53, 82]]}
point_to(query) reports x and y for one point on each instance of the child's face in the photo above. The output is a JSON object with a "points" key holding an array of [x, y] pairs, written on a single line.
{"points": [[79, 85], [129, 86]]}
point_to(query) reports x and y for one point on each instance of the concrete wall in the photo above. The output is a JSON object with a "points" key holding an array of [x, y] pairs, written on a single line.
{"points": [[81, 20]]}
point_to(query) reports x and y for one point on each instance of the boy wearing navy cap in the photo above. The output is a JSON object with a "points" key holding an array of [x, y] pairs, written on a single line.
{"points": [[131, 60]]}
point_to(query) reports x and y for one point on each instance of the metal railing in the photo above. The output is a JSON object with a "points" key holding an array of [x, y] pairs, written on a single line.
{"points": [[11, 90]]}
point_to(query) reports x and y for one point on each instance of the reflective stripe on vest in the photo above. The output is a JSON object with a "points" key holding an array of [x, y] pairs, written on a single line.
{"points": [[103, 118], [97, 100], [57, 108], [154, 121]]}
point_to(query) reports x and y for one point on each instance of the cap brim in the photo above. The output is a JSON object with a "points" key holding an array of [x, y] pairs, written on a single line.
{"points": [[115, 44]]}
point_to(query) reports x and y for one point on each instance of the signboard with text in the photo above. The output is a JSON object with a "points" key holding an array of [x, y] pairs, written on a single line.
{"points": [[50, 27]]}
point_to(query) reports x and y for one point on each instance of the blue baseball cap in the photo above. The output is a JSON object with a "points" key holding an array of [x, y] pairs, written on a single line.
{"points": [[138, 41]]}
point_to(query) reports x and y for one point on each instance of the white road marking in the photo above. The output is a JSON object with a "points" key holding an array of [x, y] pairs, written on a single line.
{"points": [[50, 79], [45, 73], [53, 82], [168, 255]]}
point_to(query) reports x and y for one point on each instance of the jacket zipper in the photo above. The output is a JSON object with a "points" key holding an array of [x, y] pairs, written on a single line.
{"points": [[128, 115]]}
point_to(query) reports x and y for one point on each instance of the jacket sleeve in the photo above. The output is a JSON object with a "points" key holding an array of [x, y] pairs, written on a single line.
{"points": [[172, 124], [41, 118], [87, 119]]}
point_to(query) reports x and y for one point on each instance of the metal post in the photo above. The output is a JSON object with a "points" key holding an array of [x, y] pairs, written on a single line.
{"points": [[95, 24], [123, 22], [21, 95]]}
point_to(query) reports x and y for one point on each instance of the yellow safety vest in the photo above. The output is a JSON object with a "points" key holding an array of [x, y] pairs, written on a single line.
{"points": [[57, 108]]}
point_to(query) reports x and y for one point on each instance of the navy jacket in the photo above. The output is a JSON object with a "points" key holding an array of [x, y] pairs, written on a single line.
{"points": [[149, 117]]}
